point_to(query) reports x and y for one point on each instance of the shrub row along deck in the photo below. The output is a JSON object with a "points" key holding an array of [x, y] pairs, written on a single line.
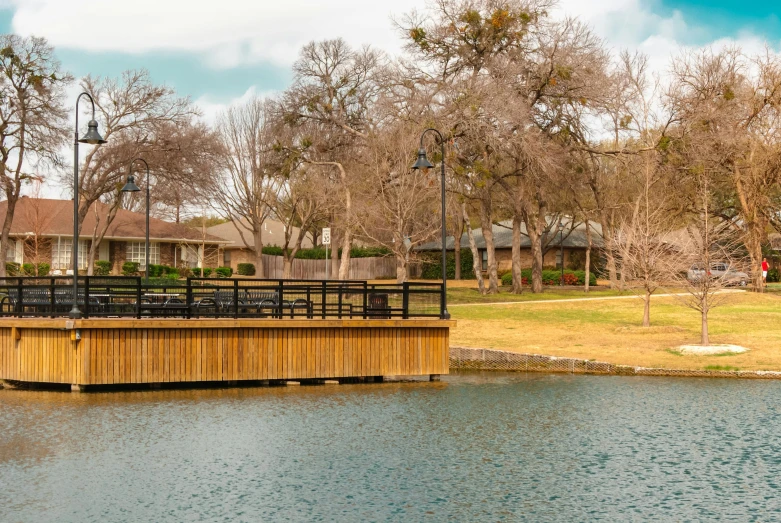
{"points": [[217, 330]]}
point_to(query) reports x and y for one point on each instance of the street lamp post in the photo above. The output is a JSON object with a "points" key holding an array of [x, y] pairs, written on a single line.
{"points": [[131, 186], [92, 137], [423, 163], [561, 251]]}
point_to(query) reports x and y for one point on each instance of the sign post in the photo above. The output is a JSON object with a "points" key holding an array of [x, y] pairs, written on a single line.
{"points": [[326, 242]]}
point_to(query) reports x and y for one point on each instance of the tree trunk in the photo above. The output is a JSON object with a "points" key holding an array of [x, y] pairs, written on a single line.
{"points": [[4, 239], [587, 282], [704, 339], [344, 265], [334, 257], [475, 253], [607, 237], [401, 267], [516, 271], [457, 247], [287, 267], [647, 309], [535, 240], [257, 236], [486, 224]]}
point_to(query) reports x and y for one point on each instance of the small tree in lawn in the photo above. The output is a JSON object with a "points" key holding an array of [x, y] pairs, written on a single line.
{"points": [[644, 258], [711, 249]]}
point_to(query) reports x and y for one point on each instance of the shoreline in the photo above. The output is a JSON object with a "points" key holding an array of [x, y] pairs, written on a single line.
{"points": [[467, 358]]}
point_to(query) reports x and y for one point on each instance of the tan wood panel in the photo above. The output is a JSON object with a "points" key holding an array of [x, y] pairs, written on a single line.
{"points": [[178, 354]]}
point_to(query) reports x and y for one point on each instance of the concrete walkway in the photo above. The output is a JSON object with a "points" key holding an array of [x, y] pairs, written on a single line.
{"points": [[567, 300]]}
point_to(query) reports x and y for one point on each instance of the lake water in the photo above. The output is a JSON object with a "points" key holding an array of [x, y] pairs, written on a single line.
{"points": [[474, 447]]}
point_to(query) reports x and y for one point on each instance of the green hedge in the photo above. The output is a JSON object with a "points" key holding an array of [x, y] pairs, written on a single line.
{"points": [[773, 276], [130, 268], [101, 268], [43, 269], [223, 272], [553, 277], [246, 269], [432, 265]]}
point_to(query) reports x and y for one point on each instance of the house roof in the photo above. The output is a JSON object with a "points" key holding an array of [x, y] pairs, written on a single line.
{"points": [[503, 237], [46, 217], [273, 233]]}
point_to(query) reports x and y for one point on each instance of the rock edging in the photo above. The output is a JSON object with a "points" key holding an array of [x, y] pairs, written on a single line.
{"points": [[490, 359]]}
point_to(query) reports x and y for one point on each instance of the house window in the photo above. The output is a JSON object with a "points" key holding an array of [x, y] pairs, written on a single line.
{"points": [[226, 258], [136, 252], [61, 253], [14, 252], [191, 256], [485, 260]]}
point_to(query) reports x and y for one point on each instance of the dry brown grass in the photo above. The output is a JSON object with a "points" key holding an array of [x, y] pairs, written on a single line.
{"points": [[610, 331]]}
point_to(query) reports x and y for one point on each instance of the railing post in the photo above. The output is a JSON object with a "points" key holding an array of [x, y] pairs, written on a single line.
{"points": [[189, 298], [365, 298], [442, 298], [341, 288], [405, 300], [86, 297], [138, 297], [20, 302], [324, 297], [235, 299], [279, 298], [52, 301]]}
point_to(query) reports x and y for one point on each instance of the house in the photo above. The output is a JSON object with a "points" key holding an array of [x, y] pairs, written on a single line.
{"points": [[42, 232], [573, 241], [240, 242]]}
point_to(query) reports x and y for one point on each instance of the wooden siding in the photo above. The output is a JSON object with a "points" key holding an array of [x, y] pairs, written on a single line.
{"points": [[160, 351]]}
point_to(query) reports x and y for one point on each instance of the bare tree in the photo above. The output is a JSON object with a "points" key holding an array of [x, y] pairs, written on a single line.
{"points": [[399, 205], [137, 114], [32, 117], [713, 251], [249, 175], [333, 91]]}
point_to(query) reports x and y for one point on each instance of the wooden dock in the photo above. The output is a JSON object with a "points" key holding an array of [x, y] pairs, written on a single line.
{"points": [[131, 351]]}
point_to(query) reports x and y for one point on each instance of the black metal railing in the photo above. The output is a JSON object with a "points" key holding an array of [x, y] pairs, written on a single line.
{"points": [[128, 296]]}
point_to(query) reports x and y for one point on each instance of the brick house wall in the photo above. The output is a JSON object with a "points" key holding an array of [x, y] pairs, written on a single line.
{"points": [[504, 261]]}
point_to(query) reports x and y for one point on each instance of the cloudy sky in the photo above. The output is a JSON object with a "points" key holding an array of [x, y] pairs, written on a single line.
{"points": [[216, 51], [219, 51]]}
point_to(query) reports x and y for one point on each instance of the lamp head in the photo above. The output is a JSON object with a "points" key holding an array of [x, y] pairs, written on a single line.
{"points": [[422, 162], [561, 226], [92, 137], [130, 186]]}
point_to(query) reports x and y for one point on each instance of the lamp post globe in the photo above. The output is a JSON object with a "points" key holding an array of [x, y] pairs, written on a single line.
{"points": [[130, 186]]}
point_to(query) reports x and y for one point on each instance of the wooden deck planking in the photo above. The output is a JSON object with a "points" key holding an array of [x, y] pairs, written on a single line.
{"points": [[111, 352]]}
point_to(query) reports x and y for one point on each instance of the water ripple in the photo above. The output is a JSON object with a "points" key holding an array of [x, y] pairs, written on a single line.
{"points": [[499, 447]]}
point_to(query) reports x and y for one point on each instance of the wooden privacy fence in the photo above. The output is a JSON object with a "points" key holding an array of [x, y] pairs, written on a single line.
{"points": [[360, 268]]}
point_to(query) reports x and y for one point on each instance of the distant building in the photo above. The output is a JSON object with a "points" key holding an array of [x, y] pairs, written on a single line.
{"points": [[240, 242], [42, 232], [574, 243]]}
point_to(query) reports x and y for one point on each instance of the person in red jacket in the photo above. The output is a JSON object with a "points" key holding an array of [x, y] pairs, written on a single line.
{"points": [[765, 267]]}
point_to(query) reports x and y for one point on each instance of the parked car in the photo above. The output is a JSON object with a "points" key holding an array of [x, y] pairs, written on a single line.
{"points": [[718, 271]]}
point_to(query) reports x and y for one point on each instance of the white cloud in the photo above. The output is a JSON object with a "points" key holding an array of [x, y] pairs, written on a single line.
{"points": [[226, 33], [211, 107]]}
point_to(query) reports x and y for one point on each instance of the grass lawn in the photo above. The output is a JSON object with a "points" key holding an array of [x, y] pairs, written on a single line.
{"points": [[611, 331], [464, 295]]}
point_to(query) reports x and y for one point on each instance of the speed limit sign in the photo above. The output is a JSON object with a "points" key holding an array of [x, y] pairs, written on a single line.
{"points": [[326, 236]]}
